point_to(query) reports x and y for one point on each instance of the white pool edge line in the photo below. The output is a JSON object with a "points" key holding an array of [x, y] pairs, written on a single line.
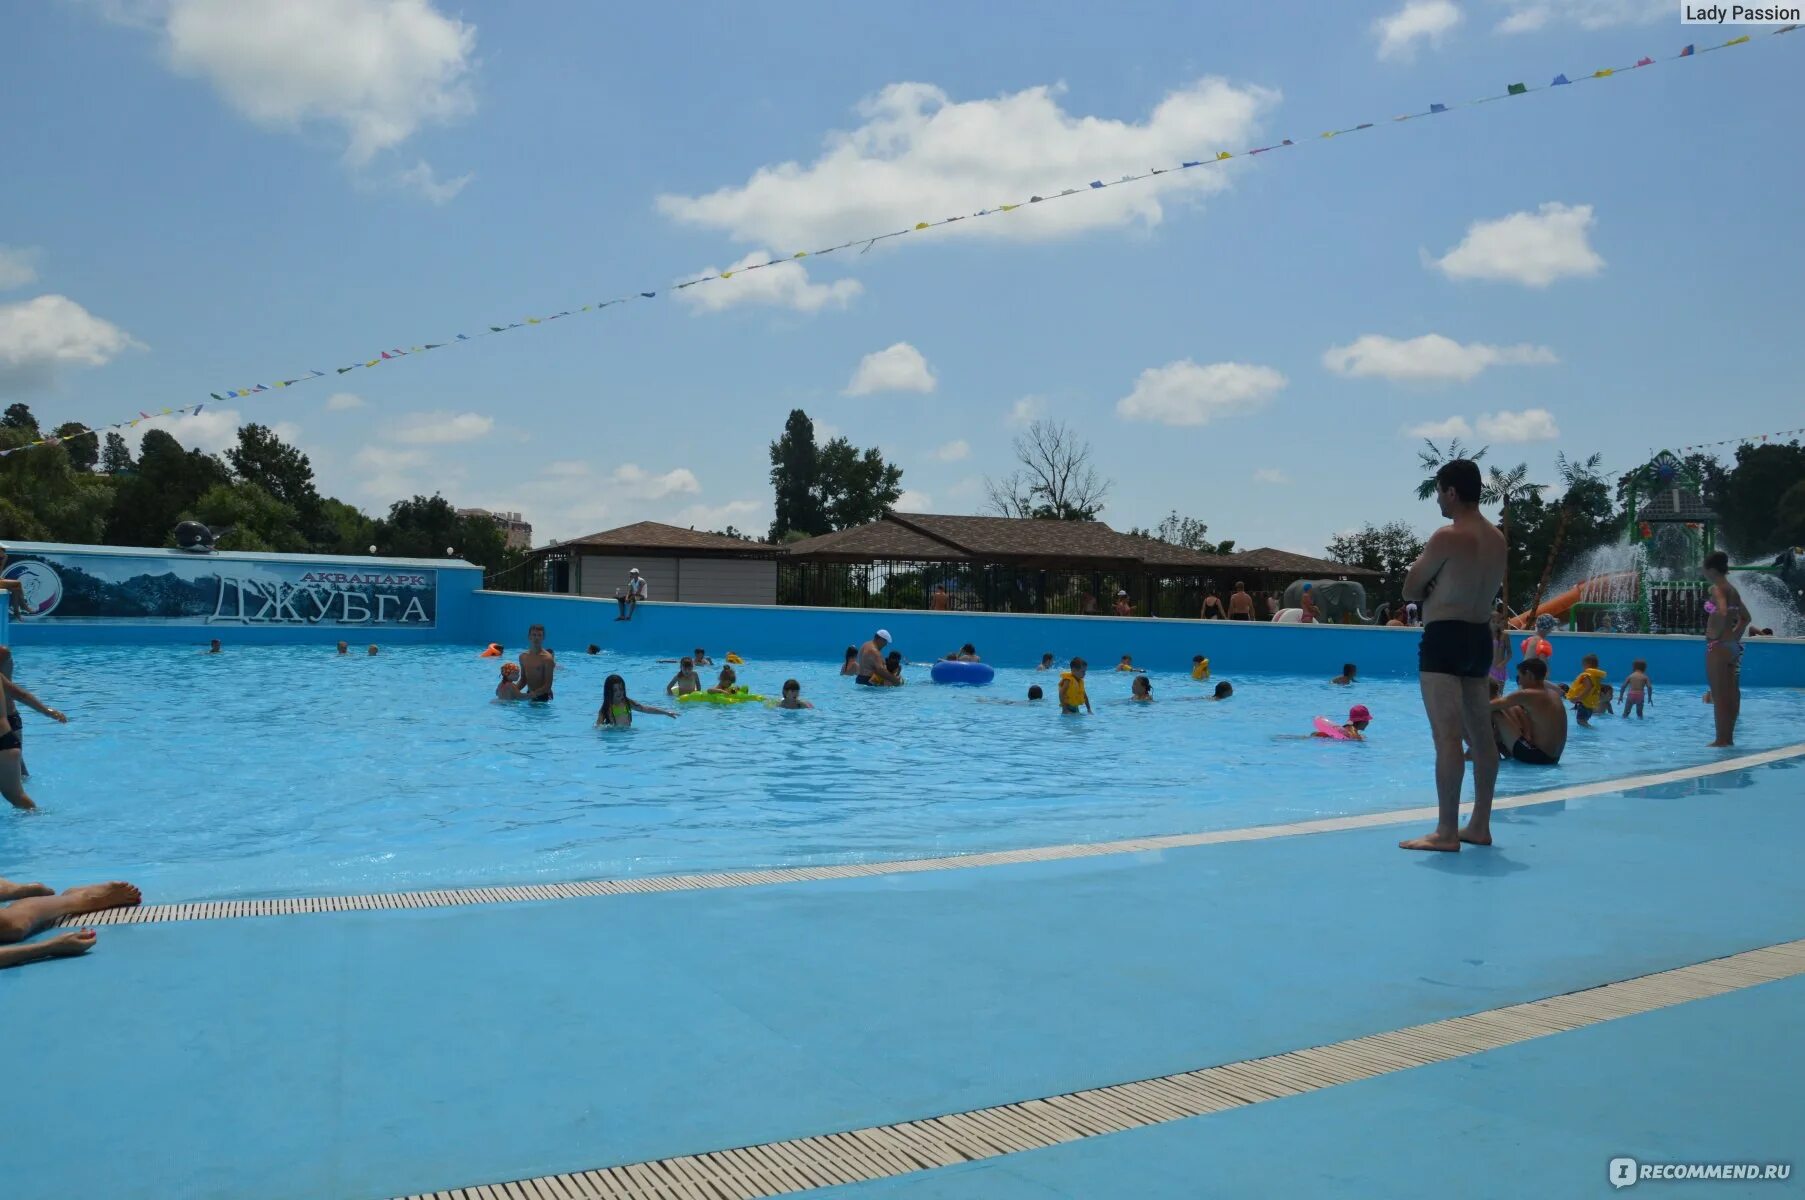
{"points": [[206, 910]]}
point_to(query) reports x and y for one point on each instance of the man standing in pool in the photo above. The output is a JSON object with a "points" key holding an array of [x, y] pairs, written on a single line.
{"points": [[536, 666], [872, 668], [1457, 578]]}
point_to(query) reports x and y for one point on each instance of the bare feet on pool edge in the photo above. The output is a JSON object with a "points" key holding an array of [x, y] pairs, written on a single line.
{"points": [[69, 945], [1476, 837], [24, 891], [98, 897], [1446, 842]]}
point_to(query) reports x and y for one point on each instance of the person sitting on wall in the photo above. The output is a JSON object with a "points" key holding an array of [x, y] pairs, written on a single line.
{"points": [[536, 666], [31, 907], [632, 596]]}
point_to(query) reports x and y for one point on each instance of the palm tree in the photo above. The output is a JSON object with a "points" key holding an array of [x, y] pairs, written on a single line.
{"points": [[1502, 488], [1433, 458], [1577, 473]]}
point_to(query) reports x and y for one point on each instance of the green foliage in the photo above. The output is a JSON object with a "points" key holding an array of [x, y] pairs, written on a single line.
{"points": [[243, 516], [18, 417], [821, 489], [168, 482], [1388, 549], [82, 447], [116, 456], [1792, 515], [1753, 524], [1188, 532], [1432, 459], [282, 472], [428, 526]]}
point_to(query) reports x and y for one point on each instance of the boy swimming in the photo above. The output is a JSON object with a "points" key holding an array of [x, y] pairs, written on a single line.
{"points": [[685, 680], [1127, 664], [792, 696], [1142, 691], [1046, 662], [1072, 696], [1346, 677]]}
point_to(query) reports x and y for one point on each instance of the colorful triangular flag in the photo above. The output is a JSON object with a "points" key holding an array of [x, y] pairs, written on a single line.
{"points": [[1688, 52], [1559, 80], [1438, 108], [1516, 89]]}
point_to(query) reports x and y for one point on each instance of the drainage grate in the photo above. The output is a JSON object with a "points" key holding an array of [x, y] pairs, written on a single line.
{"points": [[776, 1168]]}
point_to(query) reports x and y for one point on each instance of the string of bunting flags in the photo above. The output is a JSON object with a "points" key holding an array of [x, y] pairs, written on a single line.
{"points": [[1751, 439], [865, 243]]}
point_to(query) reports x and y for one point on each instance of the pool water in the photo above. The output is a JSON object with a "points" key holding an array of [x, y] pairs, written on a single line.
{"points": [[285, 771]]}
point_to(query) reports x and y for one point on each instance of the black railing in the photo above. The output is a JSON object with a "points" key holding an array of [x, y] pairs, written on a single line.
{"points": [[986, 587]]}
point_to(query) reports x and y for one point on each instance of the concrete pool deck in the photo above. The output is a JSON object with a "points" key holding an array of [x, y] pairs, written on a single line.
{"points": [[397, 1051]]}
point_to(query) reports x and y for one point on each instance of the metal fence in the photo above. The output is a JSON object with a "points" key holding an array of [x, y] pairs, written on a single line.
{"points": [[986, 587]]}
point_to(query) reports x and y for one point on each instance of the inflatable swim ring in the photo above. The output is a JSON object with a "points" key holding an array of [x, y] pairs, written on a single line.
{"points": [[735, 659], [494, 651], [948, 670], [742, 696], [1329, 729]]}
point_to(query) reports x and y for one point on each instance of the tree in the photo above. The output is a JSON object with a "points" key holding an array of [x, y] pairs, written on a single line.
{"points": [[795, 470], [855, 488], [347, 530], [81, 445], [1504, 488], [1055, 480], [427, 526], [1435, 457], [1388, 549], [1792, 515], [1188, 532], [836, 486], [282, 472], [245, 517], [731, 532], [43, 497], [168, 482], [1750, 503], [116, 456], [18, 416]]}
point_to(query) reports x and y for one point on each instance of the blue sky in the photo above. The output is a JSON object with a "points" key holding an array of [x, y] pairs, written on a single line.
{"points": [[203, 194]]}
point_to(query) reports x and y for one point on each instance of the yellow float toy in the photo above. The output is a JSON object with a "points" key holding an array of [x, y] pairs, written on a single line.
{"points": [[735, 659], [737, 696]]}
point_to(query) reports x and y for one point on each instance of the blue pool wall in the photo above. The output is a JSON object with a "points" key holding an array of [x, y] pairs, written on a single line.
{"points": [[1233, 647], [468, 615]]}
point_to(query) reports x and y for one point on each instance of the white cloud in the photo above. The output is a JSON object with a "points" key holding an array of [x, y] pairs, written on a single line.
{"points": [[565, 469], [42, 335], [898, 368], [920, 155], [1270, 475], [914, 502], [1027, 410], [1527, 16], [826, 432], [1530, 425], [719, 516], [971, 485], [213, 430], [1533, 249], [377, 70], [785, 285], [441, 428], [644, 485], [423, 179], [1452, 427], [953, 451], [1183, 393], [340, 401], [1430, 357], [1427, 21], [18, 266], [389, 474]]}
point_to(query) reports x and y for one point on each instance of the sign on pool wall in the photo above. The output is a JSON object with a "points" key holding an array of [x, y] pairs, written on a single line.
{"points": [[208, 590]]}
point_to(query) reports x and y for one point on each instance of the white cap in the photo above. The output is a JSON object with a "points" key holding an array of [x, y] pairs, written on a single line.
{"points": [[1121, 591], [632, 570], [882, 635]]}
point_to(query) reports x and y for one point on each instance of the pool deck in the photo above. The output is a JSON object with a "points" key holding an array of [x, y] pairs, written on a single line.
{"points": [[390, 1051]]}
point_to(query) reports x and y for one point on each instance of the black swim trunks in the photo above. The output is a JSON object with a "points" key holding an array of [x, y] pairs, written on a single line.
{"points": [[1237, 616], [540, 699], [1462, 648], [1523, 752]]}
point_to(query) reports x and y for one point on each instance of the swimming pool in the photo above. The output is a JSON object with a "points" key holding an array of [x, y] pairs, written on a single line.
{"points": [[288, 771]]}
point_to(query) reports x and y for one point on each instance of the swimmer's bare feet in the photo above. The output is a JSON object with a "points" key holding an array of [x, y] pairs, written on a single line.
{"points": [[21, 891], [1721, 745], [98, 897], [1476, 837], [1446, 842], [68, 945]]}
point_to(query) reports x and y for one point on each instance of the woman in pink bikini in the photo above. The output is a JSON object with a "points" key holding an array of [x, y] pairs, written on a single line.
{"points": [[1725, 621]]}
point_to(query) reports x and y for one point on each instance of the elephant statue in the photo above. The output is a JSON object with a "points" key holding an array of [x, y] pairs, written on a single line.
{"points": [[1336, 601]]}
